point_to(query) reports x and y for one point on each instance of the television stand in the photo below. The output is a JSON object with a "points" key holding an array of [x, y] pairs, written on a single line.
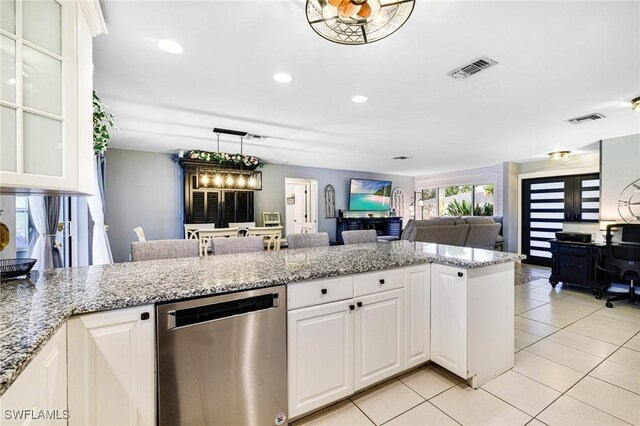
{"points": [[388, 228]]}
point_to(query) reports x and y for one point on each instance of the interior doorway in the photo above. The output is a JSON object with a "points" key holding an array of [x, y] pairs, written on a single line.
{"points": [[301, 212]]}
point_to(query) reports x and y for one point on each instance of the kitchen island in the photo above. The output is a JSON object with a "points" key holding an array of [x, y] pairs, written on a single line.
{"points": [[35, 308]]}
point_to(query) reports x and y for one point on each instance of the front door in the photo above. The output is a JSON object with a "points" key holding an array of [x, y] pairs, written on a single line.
{"points": [[547, 203]]}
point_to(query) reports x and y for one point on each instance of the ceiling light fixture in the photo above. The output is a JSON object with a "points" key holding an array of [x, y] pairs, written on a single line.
{"points": [[359, 99], [357, 21], [559, 155], [282, 77], [170, 46], [635, 104]]}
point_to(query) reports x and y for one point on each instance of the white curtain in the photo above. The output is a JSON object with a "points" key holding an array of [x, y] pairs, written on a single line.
{"points": [[101, 250], [42, 248]]}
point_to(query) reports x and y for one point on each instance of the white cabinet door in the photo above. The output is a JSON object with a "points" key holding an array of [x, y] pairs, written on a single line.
{"points": [[449, 318], [320, 355], [112, 379], [41, 387], [417, 317], [378, 337], [46, 112]]}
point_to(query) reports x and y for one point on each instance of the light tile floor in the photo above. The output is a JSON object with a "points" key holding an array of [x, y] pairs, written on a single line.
{"points": [[576, 363]]}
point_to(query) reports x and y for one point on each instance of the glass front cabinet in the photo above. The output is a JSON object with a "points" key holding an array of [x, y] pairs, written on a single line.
{"points": [[46, 136]]}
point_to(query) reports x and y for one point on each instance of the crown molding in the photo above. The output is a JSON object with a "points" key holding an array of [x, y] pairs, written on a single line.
{"points": [[93, 14]]}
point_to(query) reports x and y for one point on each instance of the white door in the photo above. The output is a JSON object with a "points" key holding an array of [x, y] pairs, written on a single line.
{"points": [[417, 317], [302, 205], [112, 378], [320, 355], [378, 337], [449, 318]]}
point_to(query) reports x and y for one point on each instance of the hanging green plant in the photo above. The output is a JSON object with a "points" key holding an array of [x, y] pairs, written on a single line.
{"points": [[102, 122]]}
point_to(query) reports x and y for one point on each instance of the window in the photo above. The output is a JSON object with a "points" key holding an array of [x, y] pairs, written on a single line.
{"points": [[458, 200], [24, 230]]}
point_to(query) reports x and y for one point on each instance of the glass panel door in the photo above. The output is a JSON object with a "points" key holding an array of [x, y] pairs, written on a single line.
{"points": [[543, 205]]}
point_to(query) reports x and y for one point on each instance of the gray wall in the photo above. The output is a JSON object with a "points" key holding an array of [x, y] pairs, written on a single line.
{"points": [[142, 189], [272, 196], [145, 189]]}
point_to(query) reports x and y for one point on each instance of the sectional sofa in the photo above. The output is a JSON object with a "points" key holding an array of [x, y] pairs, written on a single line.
{"points": [[471, 231]]}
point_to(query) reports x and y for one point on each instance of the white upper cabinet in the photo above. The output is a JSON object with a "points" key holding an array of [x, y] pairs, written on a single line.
{"points": [[46, 95]]}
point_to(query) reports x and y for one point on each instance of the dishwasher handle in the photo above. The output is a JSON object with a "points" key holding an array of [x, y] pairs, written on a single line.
{"points": [[218, 311]]}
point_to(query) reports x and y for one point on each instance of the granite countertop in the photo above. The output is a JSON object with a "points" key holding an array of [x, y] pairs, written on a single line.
{"points": [[32, 309]]}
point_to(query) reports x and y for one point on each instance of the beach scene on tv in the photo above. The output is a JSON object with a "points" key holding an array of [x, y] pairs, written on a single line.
{"points": [[370, 195]]}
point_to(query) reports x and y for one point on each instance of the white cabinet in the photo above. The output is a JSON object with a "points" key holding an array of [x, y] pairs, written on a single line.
{"points": [[320, 355], [472, 322], [339, 347], [378, 337], [449, 318], [417, 315], [112, 379], [41, 387], [46, 141]]}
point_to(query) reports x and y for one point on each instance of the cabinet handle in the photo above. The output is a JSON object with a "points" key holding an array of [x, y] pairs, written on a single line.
{"points": [[144, 316], [359, 304], [381, 281], [323, 291], [460, 274], [351, 307]]}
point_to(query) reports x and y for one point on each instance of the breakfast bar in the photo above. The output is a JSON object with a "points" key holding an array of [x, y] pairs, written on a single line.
{"points": [[402, 304]]}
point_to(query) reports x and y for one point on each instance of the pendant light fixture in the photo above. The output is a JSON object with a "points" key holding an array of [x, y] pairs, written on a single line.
{"points": [[223, 178], [357, 21]]}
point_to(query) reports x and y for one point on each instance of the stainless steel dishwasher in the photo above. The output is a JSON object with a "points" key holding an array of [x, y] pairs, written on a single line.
{"points": [[222, 359]]}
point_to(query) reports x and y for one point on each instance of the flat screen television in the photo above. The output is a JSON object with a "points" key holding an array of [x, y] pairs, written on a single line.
{"points": [[370, 195]]}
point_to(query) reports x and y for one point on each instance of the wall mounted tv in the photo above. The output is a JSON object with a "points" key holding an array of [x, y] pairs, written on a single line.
{"points": [[370, 195]]}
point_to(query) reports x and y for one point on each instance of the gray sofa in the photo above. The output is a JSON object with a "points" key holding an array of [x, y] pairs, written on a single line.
{"points": [[472, 231]]}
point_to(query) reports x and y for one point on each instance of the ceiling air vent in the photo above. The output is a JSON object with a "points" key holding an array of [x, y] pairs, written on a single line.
{"points": [[402, 157], [585, 118], [467, 70]]}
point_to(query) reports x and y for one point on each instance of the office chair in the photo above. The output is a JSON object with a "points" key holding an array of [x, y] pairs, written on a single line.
{"points": [[622, 260]]}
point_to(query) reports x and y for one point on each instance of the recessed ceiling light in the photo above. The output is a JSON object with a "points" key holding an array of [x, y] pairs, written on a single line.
{"points": [[282, 77], [359, 99], [170, 46]]}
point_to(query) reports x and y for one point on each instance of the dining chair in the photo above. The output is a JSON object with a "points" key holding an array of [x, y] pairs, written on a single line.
{"points": [[359, 237], [244, 227], [191, 229], [272, 236], [164, 249], [319, 239], [140, 233], [206, 236], [237, 245]]}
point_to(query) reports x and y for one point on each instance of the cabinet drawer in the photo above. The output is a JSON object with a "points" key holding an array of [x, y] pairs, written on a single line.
{"points": [[374, 282], [573, 250], [317, 292]]}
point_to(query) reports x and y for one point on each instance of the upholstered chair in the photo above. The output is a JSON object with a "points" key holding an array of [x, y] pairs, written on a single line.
{"points": [[359, 237], [164, 249], [237, 245], [296, 241]]}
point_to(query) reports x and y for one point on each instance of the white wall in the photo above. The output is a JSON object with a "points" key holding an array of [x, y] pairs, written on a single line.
{"points": [[620, 167]]}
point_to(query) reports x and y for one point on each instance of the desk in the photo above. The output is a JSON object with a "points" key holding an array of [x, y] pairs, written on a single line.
{"points": [[575, 264]]}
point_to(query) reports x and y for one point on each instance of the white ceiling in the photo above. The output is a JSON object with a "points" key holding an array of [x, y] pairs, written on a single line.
{"points": [[556, 60]]}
